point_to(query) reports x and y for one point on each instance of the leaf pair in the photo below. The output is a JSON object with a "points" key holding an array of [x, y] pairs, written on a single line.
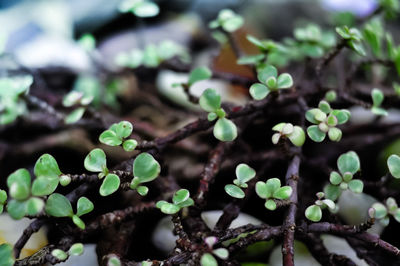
{"points": [[314, 212], [377, 99], [180, 200], [116, 135], [295, 134], [271, 190], [58, 205], [228, 20], [145, 169], [353, 39], [224, 129], [348, 164], [244, 174], [270, 81], [382, 212], [75, 250]]}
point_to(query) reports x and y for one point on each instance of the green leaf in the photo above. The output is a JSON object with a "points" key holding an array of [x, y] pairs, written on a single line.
{"points": [[6, 255], [95, 161], [335, 178], [310, 115], [234, 191], [198, 74], [332, 192], [59, 254], [84, 206], [356, 185], [267, 72], [221, 253], [212, 116], [396, 215], [379, 111], [145, 9], [315, 133], [150, 56], [44, 185], [180, 196], [3, 196], [262, 190], [110, 185], [74, 116], [250, 59], [210, 100], [113, 260], [272, 83], [298, 136], [129, 145], [142, 190], [285, 81], [78, 222], [258, 91], [348, 162], [380, 210], [76, 249], [283, 192], [72, 98], [329, 203], [145, 167], [123, 129], [393, 164], [208, 260], [65, 180], [58, 205], [330, 96], [110, 138], [244, 173], [34, 206], [313, 213], [357, 47], [342, 116], [19, 183], [46, 165], [169, 208], [225, 130], [270, 205], [16, 209], [335, 134], [377, 97], [186, 203], [260, 45]]}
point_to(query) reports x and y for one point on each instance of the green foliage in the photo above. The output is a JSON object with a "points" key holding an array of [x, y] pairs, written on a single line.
{"points": [[208, 259], [12, 104], [270, 82], [181, 199], [58, 205], [348, 165], [383, 212], [244, 174], [59, 254], [153, 55], [373, 35], [224, 129], [140, 8], [330, 96], [377, 99], [314, 212], [312, 42], [145, 169], [96, 162], [76, 249], [295, 134], [6, 255], [326, 119], [393, 163], [228, 20], [3, 199], [116, 135], [272, 190], [353, 39], [87, 42], [199, 74]]}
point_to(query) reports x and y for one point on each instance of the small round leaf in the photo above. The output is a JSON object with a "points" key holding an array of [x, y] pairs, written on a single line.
{"points": [[169, 208], [198, 74], [110, 138], [225, 130], [59, 254], [258, 91], [58, 205], [285, 81], [145, 167], [95, 161], [348, 162], [210, 100], [110, 185], [283, 192], [270, 205], [76, 249], [180, 196], [380, 210], [84, 206], [356, 186], [208, 260], [44, 185], [129, 145], [313, 213], [234, 191], [315, 133], [34, 206], [244, 173], [393, 164]]}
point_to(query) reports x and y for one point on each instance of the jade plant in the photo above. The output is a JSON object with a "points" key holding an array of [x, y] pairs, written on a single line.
{"points": [[75, 250], [295, 134], [384, 211], [314, 212], [208, 258], [224, 129], [180, 199], [353, 39], [270, 82], [348, 165], [271, 190], [117, 134], [377, 99], [325, 120], [58, 205], [244, 174]]}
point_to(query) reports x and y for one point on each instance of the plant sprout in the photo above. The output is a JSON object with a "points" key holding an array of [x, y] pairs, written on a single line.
{"points": [[348, 165], [117, 134], [295, 134], [58, 205], [228, 20], [382, 212], [377, 99], [314, 212], [270, 82], [181, 199], [244, 174], [224, 129], [326, 119], [271, 191], [353, 39], [208, 259], [145, 169]]}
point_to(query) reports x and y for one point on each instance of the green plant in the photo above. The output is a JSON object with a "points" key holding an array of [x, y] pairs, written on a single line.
{"points": [[228, 20], [224, 129], [208, 259], [348, 165], [76, 98], [286, 130], [75, 250], [270, 82], [3, 199], [393, 163], [140, 8], [314, 212], [312, 41], [272, 191], [181, 199], [326, 119], [145, 169], [377, 99], [117, 134], [58, 205], [382, 212], [353, 39], [244, 174]]}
